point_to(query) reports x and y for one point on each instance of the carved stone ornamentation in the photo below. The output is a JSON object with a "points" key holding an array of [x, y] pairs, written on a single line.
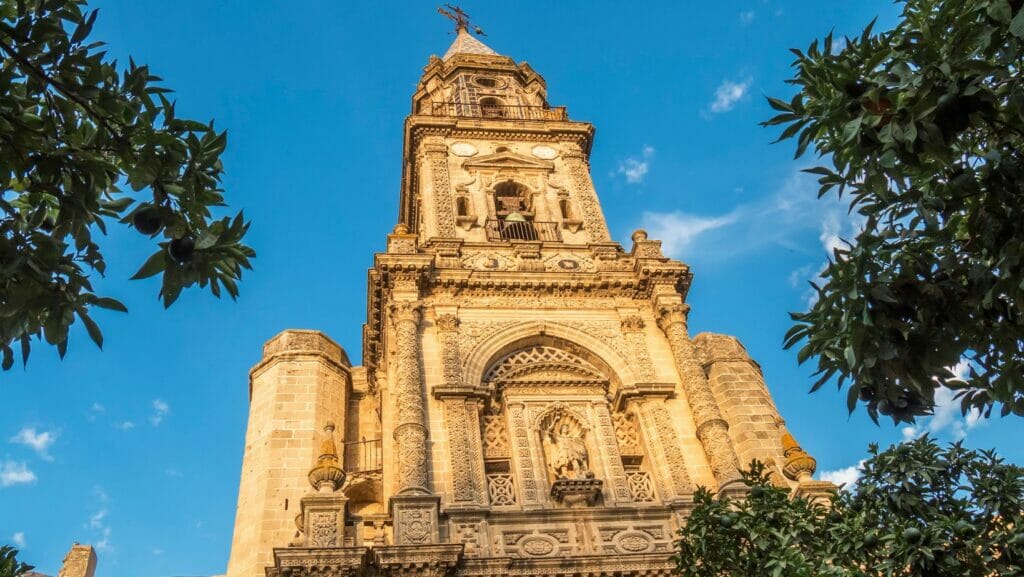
{"points": [[579, 172], [636, 341], [444, 209], [521, 448], [658, 424], [712, 429], [460, 449], [447, 325], [410, 430]]}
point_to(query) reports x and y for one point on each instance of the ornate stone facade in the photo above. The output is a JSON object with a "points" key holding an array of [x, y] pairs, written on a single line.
{"points": [[531, 402]]}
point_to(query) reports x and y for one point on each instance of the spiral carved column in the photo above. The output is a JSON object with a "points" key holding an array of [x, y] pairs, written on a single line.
{"points": [[410, 426], [712, 429]]}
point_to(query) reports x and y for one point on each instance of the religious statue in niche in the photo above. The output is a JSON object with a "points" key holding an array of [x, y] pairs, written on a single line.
{"points": [[566, 451]]}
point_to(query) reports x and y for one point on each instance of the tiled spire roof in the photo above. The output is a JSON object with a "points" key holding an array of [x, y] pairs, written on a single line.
{"points": [[466, 43]]}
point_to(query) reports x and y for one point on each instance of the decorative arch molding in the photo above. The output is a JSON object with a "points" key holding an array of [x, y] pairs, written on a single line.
{"points": [[560, 412], [609, 362]]}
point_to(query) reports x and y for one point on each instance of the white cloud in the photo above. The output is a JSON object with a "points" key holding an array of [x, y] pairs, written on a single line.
{"points": [[947, 417], [635, 169], [678, 231], [19, 539], [846, 477], [39, 441], [160, 410], [15, 473], [729, 93], [779, 219], [747, 16], [125, 425], [171, 472], [94, 411]]}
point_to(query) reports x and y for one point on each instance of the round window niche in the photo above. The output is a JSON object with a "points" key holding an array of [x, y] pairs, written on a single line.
{"points": [[487, 81]]}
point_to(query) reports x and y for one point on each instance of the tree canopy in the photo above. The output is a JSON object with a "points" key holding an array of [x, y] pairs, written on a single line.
{"points": [[9, 564], [923, 126], [87, 143], [918, 510]]}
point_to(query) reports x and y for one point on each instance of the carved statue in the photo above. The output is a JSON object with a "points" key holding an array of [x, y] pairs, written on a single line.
{"points": [[566, 453]]}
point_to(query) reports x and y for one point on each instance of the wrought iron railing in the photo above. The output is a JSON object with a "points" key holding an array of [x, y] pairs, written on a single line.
{"points": [[362, 456], [522, 230], [499, 111]]}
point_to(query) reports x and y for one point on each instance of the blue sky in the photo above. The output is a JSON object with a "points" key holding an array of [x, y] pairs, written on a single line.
{"points": [[137, 449]]}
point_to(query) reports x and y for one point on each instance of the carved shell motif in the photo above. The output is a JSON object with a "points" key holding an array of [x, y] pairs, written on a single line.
{"points": [[537, 546]]}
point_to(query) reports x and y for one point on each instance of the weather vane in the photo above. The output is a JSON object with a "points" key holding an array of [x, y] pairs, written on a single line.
{"points": [[460, 18]]}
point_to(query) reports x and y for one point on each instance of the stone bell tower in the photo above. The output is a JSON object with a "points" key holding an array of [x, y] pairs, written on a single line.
{"points": [[530, 400]]}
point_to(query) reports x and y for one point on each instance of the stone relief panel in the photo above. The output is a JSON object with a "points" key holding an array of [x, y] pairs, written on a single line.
{"points": [[416, 525], [323, 529], [555, 541], [495, 437], [489, 261], [569, 263], [634, 538]]}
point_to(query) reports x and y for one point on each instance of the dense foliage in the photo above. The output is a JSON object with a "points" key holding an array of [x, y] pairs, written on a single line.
{"points": [[918, 510], [923, 126], [74, 129], [9, 564]]}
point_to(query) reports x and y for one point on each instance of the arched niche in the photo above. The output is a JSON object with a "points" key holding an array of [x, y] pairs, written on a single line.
{"points": [[604, 359]]}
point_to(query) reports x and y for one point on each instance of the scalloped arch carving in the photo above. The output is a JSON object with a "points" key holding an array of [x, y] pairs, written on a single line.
{"points": [[484, 353]]}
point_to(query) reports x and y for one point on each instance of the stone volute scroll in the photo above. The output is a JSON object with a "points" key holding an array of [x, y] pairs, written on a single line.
{"points": [[712, 429]]}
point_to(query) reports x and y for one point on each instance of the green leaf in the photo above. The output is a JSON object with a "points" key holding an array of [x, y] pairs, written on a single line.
{"points": [[90, 325], [156, 263], [1017, 24], [112, 304]]}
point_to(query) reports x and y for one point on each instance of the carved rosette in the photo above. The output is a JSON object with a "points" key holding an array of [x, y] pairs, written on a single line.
{"points": [[632, 329], [586, 196], [712, 430], [447, 326], [444, 211], [410, 430]]}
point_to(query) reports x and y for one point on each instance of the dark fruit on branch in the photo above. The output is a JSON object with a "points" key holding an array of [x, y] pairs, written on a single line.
{"points": [[912, 535], [181, 249], [147, 220], [854, 89]]}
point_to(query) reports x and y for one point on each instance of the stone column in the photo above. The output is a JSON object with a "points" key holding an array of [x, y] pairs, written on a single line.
{"points": [[414, 508], [663, 440], [712, 429], [586, 196], [522, 460], [410, 413], [444, 209]]}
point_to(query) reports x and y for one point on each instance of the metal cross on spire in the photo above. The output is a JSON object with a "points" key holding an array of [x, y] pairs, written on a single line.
{"points": [[460, 18]]}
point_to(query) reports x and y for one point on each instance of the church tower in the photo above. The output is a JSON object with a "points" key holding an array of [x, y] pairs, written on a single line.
{"points": [[530, 400]]}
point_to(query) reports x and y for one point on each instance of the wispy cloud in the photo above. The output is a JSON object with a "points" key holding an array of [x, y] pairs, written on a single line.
{"points": [[95, 411], [846, 476], [19, 539], [98, 521], [728, 93], [160, 410], [172, 472], [747, 16], [15, 473], [38, 441], [635, 168], [125, 425], [783, 218]]}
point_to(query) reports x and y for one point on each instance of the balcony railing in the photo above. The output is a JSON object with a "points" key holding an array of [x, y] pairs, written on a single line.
{"points": [[499, 111], [363, 456], [522, 230]]}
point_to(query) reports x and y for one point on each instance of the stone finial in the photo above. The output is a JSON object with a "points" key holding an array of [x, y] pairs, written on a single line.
{"points": [[639, 235], [799, 466], [326, 476], [400, 228]]}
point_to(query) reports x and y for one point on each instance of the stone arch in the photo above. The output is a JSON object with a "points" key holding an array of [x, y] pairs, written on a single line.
{"points": [[613, 365]]}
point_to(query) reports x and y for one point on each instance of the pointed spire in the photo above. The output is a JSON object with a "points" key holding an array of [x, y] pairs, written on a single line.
{"points": [[326, 475], [466, 43], [799, 465]]}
